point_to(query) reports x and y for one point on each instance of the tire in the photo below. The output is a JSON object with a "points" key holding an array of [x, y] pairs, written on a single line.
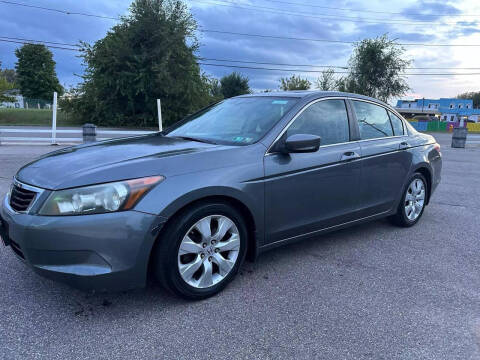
{"points": [[196, 268], [408, 211]]}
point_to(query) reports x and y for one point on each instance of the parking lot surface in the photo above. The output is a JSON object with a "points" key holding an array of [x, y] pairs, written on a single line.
{"points": [[372, 291]]}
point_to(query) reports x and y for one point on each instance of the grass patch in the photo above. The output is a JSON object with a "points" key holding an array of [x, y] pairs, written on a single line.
{"points": [[35, 117]]}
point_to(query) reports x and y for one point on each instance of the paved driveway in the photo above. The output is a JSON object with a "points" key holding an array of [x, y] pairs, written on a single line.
{"points": [[369, 292]]}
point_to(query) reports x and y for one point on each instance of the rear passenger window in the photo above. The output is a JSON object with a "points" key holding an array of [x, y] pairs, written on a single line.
{"points": [[373, 120], [327, 119], [397, 124]]}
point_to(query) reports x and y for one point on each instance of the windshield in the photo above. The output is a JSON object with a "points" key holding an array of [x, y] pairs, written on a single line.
{"points": [[238, 121]]}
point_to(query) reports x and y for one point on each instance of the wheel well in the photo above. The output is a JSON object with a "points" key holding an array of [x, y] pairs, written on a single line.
{"points": [[428, 176], [244, 210]]}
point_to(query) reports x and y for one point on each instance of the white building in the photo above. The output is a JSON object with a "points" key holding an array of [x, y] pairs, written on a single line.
{"points": [[17, 104]]}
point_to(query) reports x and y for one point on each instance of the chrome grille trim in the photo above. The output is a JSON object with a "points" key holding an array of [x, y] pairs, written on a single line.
{"points": [[23, 196]]}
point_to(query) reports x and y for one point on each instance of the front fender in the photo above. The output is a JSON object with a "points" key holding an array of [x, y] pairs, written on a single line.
{"points": [[211, 191], [174, 193]]}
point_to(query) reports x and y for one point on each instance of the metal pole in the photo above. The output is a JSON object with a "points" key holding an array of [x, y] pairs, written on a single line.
{"points": [[159, 108], [54, 119]]}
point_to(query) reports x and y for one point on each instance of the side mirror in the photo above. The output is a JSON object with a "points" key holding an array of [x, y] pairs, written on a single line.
{"points": [[301, 143]]}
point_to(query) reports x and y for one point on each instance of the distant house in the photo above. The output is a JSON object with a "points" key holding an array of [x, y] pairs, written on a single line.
{"points": [[446, 109], [17, 104]]}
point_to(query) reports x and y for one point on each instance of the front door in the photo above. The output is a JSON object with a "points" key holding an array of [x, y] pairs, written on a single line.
{"points": [[306, 192]]}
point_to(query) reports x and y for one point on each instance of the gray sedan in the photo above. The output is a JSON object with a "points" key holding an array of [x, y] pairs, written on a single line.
{"points": [[242, 176]]}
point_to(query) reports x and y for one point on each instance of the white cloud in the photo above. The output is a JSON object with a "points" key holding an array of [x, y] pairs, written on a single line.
{"points": [[44, 25]]}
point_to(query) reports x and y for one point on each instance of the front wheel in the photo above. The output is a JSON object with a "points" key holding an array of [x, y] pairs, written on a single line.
{"points": [[410, 209], [201, 251]]}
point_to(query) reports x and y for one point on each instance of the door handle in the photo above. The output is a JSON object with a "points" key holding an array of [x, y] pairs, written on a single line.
{"points": [[404, 145], [350, 155]]}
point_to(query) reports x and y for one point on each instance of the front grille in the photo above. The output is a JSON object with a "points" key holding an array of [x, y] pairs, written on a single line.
{"points": [[20, 198]]}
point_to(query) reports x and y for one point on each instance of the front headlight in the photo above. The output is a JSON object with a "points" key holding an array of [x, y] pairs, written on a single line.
{"points": [[96, 199]]}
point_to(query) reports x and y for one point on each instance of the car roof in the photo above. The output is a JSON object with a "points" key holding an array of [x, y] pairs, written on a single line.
{"points": [[312, 94]]}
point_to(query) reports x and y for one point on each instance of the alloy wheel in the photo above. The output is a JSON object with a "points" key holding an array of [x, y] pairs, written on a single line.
{"points": [[415, 199], [208, 251]]}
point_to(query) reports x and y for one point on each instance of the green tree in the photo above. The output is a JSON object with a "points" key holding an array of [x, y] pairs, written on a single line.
{"points": [[215, 90], [8, 74], [35, 70], [149, 55], [376, 68], [326, 81], [471, 95], [234, 84], [5, 86], [294, 83]]}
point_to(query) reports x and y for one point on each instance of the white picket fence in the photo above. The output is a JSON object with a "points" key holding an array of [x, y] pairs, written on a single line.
{"points": [[13, 136]]}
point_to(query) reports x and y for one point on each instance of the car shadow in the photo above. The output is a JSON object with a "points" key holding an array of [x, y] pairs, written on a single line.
{"points": [[101, 306]]}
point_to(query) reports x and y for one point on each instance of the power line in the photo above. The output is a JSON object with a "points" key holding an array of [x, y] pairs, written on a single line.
{"points": [[369, 11], [276, 64], [318, 16], [276, 69], [326, 40], [319, 71], [49, 46], [19, 40], [344, 67], [38, 41], [75, 47], [230, 4], [66, 12]]}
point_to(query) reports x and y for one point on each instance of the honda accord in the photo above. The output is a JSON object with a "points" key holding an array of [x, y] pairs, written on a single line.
{"points": [[189, 204]]}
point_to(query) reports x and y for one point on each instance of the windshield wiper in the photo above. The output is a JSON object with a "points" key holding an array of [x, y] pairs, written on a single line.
{"points": [[195, 139]]}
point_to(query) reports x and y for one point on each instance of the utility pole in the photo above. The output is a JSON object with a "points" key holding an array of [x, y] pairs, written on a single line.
{"points": [[54, 119], [159, 109]]}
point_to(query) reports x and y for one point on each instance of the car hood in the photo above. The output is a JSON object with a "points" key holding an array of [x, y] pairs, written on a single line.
{"points": [[112, 160]]}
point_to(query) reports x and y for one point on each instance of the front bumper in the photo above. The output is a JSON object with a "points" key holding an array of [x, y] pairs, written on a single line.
{"points": [[92, 252]]}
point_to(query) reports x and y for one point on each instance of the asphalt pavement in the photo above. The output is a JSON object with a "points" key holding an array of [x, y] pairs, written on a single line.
{"points": [[372, 291]]}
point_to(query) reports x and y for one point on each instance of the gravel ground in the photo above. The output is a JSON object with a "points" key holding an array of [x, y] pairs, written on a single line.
{"points": [[369, 292]]}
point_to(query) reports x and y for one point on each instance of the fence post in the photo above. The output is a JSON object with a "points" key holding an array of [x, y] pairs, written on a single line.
{"points": [[54, 119], [89, 133], [159, 109]]}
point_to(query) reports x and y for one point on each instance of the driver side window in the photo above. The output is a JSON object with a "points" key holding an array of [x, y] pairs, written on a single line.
{"points": [[327, 119]]}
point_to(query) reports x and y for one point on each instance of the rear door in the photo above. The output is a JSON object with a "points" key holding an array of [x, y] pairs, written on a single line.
{"points": [[306, 192], [386, 160]]}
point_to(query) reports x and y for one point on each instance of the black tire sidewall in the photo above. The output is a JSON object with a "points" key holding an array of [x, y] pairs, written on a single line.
{"points": [[173, 238]]}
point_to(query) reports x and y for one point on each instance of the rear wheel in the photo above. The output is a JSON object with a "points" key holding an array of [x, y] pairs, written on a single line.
{"points": [[414, 198], [201, 251]]}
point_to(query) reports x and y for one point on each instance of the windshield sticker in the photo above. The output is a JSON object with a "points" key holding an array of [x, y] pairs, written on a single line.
{"points": [[280, 102], [242, 139]]}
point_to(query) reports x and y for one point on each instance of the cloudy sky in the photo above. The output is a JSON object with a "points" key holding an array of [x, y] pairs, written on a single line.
{"points": [[409, 21]]}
